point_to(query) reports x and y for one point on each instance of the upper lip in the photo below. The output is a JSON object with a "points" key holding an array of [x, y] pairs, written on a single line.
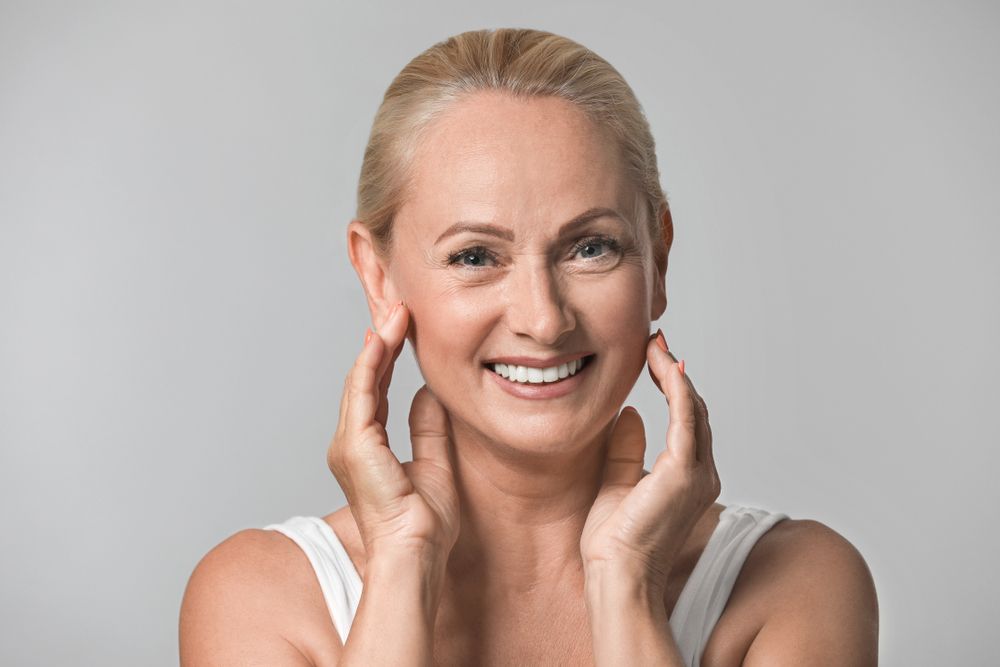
{"points": [[535, 362]]}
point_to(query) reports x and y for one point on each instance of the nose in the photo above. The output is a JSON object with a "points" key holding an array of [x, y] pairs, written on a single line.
{"points": [[537, 306]]}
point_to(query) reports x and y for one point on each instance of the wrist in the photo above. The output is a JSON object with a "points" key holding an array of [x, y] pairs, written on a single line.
{"points": [[409, 575], [613, 587], [628, 619]]}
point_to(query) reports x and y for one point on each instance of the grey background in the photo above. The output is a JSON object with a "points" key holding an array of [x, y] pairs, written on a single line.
{"points": [[177, 312]]}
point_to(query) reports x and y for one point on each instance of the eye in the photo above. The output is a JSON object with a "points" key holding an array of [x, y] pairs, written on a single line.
{"points": [[596, 247], [473, 258]]}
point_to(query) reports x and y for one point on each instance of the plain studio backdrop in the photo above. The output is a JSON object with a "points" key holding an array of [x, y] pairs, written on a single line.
{"points": [[177, 311]]}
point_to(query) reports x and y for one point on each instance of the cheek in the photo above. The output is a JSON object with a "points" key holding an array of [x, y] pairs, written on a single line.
{"points": [[442, 318], [616, 310], [617, 321], [449, 323]]}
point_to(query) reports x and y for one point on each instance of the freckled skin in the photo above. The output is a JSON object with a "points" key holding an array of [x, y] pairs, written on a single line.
{"points": [[529, 166], [526, 471]]}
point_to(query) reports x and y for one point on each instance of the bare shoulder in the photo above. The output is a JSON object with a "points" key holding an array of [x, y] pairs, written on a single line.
{"points": [[818, 595], [803, 558], [254, 600]]}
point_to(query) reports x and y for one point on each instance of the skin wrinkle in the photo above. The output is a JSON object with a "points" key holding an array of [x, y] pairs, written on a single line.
{"points": [[527, 472]]}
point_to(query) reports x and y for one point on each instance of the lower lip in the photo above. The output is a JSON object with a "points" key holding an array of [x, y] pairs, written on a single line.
{"points": [[544, 389]]}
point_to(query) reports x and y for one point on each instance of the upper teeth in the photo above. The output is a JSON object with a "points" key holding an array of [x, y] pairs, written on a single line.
{"points": [[537, 375]]}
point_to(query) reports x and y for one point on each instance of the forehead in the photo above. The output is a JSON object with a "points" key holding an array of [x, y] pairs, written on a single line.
{"points": [[530, 164]]}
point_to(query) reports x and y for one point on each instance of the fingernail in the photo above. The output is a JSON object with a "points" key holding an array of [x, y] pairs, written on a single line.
{"points": [[681, 365], [661, 341], [368, 335]]}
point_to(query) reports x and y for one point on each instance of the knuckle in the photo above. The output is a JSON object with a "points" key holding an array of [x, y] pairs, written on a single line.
{"points": [[355, 383], [683, 420]]}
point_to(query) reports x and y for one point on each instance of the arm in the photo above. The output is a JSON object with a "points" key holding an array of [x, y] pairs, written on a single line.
{"points": [[233, 603], [825, 610], [394, 624], [407, 515], [639, 521], [245, 593], [628, 621]]}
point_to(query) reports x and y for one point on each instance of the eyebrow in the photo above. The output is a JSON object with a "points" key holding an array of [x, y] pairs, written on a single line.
{"points": [[508, 235]]}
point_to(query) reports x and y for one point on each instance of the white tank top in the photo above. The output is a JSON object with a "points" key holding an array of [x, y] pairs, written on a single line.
{"points": [[692, 620]]}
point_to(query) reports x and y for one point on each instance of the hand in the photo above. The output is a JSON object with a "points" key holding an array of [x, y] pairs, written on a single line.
{"points": [[639, 521], [410, 506]]}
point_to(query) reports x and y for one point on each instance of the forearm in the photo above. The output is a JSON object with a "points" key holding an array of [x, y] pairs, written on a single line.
{"points": [[394, 624], [629, 623]]}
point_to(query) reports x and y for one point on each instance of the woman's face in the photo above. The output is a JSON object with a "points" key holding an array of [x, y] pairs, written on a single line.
{"points": [[516, 246]]}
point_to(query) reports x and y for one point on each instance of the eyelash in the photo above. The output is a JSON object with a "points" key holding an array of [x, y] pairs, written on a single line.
{"points": [[612, 245]]}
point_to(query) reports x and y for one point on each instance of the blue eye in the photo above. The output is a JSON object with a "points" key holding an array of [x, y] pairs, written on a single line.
{"points": [[473, 258], [595, 247]]}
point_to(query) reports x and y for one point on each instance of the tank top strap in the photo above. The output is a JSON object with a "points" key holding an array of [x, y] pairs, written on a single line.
{"points": [[694, 616], [338, 578], [707, 590]]}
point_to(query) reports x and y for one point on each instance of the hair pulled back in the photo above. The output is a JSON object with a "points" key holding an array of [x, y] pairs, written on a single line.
{"points": [[523, 63]]}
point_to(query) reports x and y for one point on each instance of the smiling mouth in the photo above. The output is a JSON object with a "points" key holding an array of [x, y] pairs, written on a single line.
{"points": [[530, 375]]}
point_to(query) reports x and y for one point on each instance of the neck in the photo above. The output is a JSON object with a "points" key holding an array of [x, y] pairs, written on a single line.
{"points": [[522, 513]]}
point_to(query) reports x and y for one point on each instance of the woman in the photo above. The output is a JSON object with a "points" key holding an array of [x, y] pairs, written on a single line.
{"points": [[512, 227]]}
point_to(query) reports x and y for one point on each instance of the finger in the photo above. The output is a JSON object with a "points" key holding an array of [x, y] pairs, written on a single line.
{"points": [[345, 394], [627, 449], [392, 331], [682, 437], [703, 429], [360, 396], [393, 334], [649, 368], [382, 412], [352, 401], [429, 429]]}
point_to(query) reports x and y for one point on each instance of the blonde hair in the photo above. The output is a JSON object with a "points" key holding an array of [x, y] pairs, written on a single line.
{"points": [[521, 62]]}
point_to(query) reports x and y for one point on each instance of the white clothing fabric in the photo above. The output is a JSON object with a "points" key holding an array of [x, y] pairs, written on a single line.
{"points": [[692, 620]]}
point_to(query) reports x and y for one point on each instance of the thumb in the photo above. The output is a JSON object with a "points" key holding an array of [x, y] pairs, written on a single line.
{"points": [[627, 449], [429, 429]]}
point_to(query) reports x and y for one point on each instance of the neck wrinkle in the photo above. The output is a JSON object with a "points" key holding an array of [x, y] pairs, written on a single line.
{"points": [[522, 513]]}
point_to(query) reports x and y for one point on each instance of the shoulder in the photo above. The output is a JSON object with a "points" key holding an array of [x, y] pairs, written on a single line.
{"points": [[245, 561], [821, 605], [247, 601], [806, 556]]}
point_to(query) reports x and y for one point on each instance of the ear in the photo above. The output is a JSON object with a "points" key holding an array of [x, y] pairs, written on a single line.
{"points": [[372, 270], [661, 252]]}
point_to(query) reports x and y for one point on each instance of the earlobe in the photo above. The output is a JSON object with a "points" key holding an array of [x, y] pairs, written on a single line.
{"points": [[372, 271]]}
